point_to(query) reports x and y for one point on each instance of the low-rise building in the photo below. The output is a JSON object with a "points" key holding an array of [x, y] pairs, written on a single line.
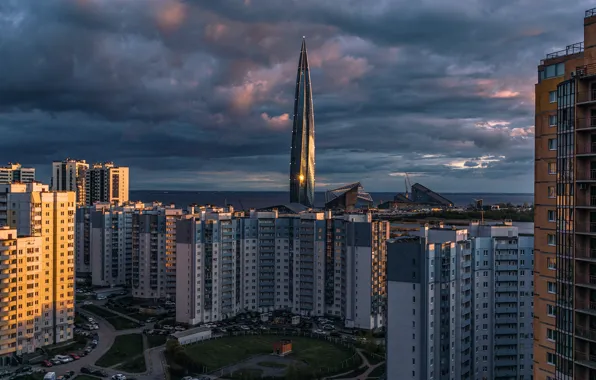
{"points": [[193, 335]]}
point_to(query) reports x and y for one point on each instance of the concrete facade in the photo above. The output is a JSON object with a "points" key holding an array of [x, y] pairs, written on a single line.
{"points": [[311, 264], [70, 175], [16, 173], [470, 297], [106, 183]]}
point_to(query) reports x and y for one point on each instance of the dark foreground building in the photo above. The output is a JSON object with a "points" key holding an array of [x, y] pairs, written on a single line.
{"points": [[302, 161]]}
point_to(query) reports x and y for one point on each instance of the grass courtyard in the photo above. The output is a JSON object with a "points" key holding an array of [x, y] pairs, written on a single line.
{"points": [[218, 353], [126, 348], [115, 320]]}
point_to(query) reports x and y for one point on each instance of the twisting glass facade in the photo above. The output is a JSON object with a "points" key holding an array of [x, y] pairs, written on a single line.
{"points": [[302, 161]]}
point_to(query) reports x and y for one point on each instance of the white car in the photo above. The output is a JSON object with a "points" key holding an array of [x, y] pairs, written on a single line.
{"points": [[118, 376]]}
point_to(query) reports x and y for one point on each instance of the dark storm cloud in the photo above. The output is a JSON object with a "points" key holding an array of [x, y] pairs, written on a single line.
{"points": [[199, 93]]}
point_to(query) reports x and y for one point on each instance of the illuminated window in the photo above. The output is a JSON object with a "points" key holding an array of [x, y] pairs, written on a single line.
{"points": [[552, 168], [551, 192]]}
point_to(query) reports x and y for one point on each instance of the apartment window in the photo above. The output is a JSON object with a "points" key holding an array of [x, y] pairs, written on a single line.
{"points": [[551, 310], [551, 239], [552, 96], [551, 263], [551, 192], [552, 287], [550, 358], [551, 215], [552, 120], [552, 166], [552, 144], [550, 334]]}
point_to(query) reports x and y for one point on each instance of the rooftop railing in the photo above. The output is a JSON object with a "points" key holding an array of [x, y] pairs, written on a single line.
{"points": [[575, 48], [590, 13]]}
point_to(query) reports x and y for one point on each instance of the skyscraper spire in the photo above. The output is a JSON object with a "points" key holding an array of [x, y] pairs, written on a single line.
{"points": [[302, 156]]}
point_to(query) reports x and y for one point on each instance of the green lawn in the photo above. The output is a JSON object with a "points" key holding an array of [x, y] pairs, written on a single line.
{"points": [[225, 351], [136, 365], [156, 340], [115, 320], [125, 346], [66, 349]]}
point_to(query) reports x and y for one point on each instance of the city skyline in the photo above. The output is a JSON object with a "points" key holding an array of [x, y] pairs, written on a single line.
{"points": [[199, 95]]}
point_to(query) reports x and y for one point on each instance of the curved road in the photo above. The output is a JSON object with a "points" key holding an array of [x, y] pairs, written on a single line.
{"points": [[107, 334]]}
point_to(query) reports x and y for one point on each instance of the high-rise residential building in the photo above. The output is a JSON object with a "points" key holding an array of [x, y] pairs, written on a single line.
{"points": [[302, 156], [106, 183], [16, 173], [459, 304], [22, 327], [46, 281], [312, 264], [131, 245], [565, 219], [70, 175]]}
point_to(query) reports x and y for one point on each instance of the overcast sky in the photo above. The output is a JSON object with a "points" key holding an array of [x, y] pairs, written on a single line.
{"points": [[198, 94]]}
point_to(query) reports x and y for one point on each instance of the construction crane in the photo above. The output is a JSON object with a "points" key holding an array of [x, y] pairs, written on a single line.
{"points": [[408, 185]]}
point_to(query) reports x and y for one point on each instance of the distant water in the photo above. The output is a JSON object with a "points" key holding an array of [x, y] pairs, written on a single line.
{"points": [[254, 199]]}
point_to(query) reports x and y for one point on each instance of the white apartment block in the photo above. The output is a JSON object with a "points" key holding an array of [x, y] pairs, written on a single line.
{"points": [[313, 264], [16, 173], [45, 220], [70, 175], [459, 304], [130, 245], [106, 183]]}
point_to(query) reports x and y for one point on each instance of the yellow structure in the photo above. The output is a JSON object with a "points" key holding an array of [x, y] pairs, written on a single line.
{"points": [[37, 273]]}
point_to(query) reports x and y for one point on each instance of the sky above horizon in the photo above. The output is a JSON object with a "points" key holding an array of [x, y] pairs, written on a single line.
{"points": [[198, 94]]}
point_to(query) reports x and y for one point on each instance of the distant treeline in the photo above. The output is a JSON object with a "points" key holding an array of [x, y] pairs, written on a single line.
{"points": [[516, 216]]}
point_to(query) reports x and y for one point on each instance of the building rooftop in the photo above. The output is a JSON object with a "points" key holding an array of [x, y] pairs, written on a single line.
{"points": [[575, 48], [182, 334]]}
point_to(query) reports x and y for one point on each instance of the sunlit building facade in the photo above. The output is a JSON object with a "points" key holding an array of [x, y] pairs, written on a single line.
{"points": [[302, 156], [70, 175], [106, 183], [41, 230], [16, 173]]}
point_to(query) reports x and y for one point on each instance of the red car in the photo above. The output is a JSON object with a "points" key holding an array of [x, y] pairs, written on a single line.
{"points": [[47, 363], [75, 356]]}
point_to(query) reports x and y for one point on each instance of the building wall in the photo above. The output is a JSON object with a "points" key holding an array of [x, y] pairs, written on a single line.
{"points": [[265, 262], [15, 173], [70, 175], [107, 183], [34, 211]]}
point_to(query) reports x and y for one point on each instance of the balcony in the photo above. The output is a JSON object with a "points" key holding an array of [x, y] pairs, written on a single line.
{"points": [[586, 150], [585, 333], [586, 254], [586, 175], [585, 359], [586, 123], [587, 281], [585, 228], [586, 307], [585, 71]]}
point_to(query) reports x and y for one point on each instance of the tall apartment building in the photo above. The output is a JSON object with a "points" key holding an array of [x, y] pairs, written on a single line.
{"points": [[565, 197], [21, 325], [70, 175], [129, 245], [106, 183], [459, 304], [14, 173], [45, 286], [311, 264]]}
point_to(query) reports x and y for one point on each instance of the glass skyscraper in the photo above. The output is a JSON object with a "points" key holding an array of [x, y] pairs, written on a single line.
{"points": [[302, 161]]}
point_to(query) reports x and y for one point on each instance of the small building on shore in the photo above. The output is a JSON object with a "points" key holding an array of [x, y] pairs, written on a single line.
{"points": [[192, 335], [282, 347]]}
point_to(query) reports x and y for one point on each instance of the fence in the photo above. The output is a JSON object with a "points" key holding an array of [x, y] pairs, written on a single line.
{"points": [[350, 363]]}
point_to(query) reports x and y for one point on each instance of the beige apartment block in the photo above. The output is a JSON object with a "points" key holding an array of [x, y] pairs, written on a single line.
{"points": [[70, 175], [45, 272], [106, 183]]}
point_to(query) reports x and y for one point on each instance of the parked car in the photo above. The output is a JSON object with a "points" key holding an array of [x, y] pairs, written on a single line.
{"points": [[118, 376], [46, 363], [55, 361], [99, 373], [75, 356], [86, 370], [69, 374]]}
